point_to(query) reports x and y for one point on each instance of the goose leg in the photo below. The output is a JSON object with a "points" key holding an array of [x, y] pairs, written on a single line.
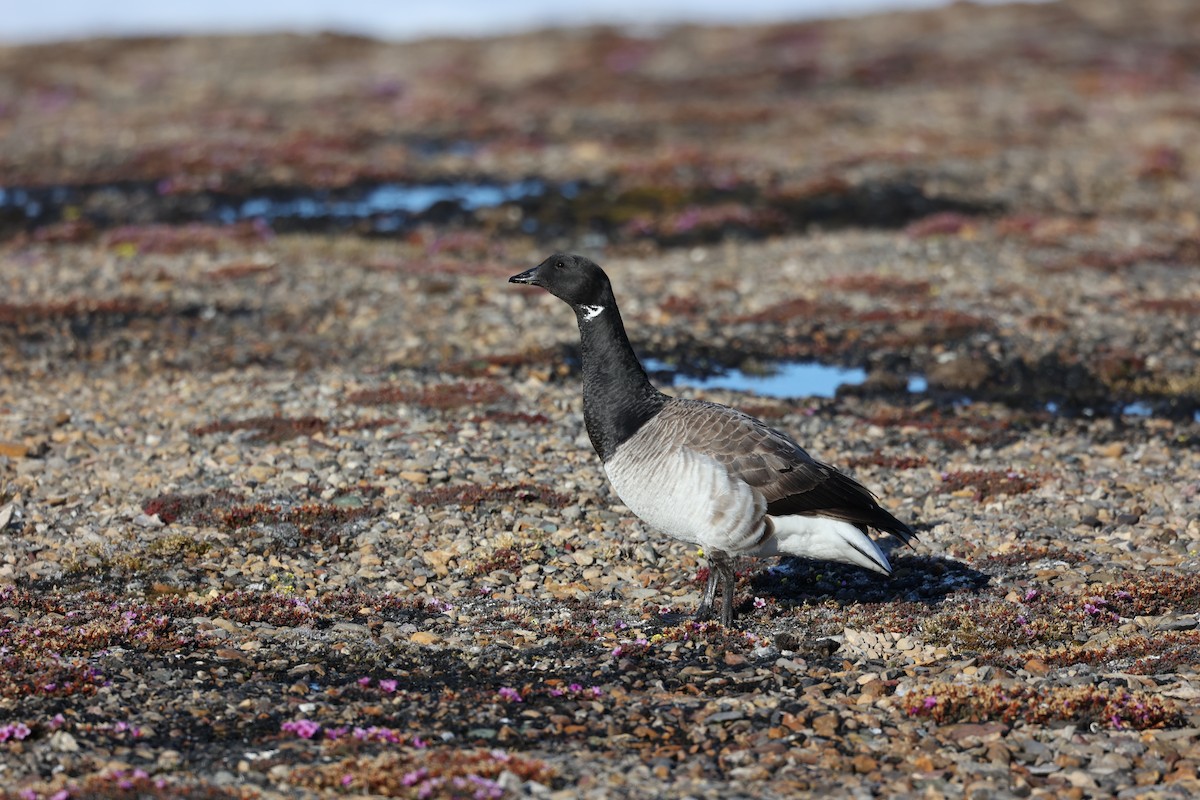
{"points": [[705, 611], [720, 568], [722, 564]]}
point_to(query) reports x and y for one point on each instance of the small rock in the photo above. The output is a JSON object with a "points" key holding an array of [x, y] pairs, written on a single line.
{"points": [[1037, 666], [1181, 623], [13, 449], [826, 725], [425, 638], [63, 742], [863, 763], [260, 473]]}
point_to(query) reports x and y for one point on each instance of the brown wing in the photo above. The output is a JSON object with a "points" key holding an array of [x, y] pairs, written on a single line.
{"points": [[791, 480]]}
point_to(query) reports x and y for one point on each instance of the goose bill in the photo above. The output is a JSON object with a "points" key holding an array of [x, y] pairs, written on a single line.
{"points": [[528, 277]]}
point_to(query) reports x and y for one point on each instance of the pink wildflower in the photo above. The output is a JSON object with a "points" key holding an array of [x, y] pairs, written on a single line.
{"points": [[414, 777], [304, 728]]}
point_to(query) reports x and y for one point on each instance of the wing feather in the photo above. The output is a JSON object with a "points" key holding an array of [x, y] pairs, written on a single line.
{"points": [[791, 481]]}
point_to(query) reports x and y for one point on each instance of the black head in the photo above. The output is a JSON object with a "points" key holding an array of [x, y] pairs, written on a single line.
{"points": [[575, 280]]}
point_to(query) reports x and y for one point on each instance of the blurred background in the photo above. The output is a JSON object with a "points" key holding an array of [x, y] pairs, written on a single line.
{"points": [[940, 132], [82, 18]]}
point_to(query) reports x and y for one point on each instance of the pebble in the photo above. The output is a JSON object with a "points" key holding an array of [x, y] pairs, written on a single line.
{"points": [[226, 583]]}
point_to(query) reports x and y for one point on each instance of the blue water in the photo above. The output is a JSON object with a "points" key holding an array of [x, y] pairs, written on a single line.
{"points": [[388, 206], [810, 379], [389, 200], [795, 379]]}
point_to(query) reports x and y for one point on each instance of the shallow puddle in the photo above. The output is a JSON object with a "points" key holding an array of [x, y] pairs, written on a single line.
{"points": [[812, 379], [793, 379], [388, 205]]}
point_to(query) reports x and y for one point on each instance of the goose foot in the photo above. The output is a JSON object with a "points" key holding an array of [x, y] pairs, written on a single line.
{"points": [[720, 568]]}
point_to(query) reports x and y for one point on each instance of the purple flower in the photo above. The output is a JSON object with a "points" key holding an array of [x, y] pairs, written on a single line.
{"points": [[347, 780], [388, 685], [509, 694], [485, 789], [929, 702], [14, 730], [597, 691], [364, 681], [414, 777], [575, 687], [304, 728], [759, 602], [1031, 595]]}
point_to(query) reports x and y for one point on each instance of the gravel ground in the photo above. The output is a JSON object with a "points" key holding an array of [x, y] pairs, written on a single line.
{"points": [[311, 514]]}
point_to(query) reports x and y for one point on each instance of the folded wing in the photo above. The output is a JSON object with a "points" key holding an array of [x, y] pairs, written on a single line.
{"points": [[791, 481]]}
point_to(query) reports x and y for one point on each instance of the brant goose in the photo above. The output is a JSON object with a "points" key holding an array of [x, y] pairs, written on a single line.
{"points": [[704, 472]]}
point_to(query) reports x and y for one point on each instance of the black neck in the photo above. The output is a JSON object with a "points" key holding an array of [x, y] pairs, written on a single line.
{"points": [[618, 398]]}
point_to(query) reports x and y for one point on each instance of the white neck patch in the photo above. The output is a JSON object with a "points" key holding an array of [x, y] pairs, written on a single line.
{"points": [[591, 312]]}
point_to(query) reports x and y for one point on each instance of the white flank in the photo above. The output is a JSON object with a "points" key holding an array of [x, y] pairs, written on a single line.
{"points": [[686, 494], [825, 539]]}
